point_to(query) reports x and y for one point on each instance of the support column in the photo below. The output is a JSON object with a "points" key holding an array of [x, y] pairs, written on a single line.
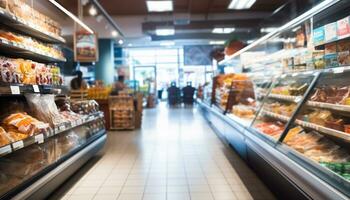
{"points": [[104, 69]]}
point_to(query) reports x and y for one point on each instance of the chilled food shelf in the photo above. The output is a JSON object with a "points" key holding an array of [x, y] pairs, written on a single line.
{"points": [[29, 29], [330, 106], [324, 130], [40, 138], [276, 116], [286, 97], [18, 50], [239, 120], [19, 89]]}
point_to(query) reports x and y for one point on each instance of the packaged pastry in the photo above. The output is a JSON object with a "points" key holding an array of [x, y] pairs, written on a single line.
{"points": [[23, 123], [3, 4], [336, 124], [292, 133], [330, 32], [343, 52], [4, 140]]}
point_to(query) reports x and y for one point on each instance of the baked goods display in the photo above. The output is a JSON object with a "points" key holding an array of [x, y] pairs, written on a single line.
{"points": [[282, 109], [272, 129], [122, 112], [29, 72], [243, 111], [27, 15], [85, 107], [31, 44], [291, 90]]}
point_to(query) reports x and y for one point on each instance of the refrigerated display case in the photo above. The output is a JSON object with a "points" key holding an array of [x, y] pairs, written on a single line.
{"points": [[42, 141], [299, 136]]}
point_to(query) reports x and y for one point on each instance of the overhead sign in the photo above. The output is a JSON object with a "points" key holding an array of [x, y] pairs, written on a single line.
{"points": [[85, 47]]}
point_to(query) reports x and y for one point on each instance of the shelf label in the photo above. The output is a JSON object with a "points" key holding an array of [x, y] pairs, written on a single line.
{"points": [[36, 88], [74, 123], [18, 145], [5, 41], [56, 130], [5, 149], [39, 138], [15, 89]]}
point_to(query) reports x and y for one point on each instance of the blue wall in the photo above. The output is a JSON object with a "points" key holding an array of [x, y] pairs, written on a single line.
{"points": [[104, 69]]}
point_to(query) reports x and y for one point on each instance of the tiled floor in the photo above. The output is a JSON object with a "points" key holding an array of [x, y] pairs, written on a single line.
{"points": [[176, 156]]}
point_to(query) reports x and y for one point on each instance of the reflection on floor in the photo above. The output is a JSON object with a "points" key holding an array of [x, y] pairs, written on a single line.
{"points": [[176, 156]]}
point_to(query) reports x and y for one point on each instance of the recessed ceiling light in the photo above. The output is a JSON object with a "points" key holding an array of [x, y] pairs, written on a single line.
{"points": [[159, 6], [217, 42], [165, 31], [120, 42], [168, 43], [114, 33], [92, 11], [241, 4], [223, 30]]}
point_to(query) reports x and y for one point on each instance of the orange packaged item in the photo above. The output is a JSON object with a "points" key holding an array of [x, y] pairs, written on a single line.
{"points": [[24, 124], [4, 140], [16, 136]]}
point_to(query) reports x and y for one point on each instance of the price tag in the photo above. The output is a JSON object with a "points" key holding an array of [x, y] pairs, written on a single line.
{"points": [[39, 138], [36, 88], [15, 89], [80, 121], [5, 41], [56, 130], [18, 145], [62, 127], [5, 150], [74, 123]]}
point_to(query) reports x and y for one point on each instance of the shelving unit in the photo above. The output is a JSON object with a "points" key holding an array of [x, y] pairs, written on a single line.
{"points": [[23, 27], [7, 89], [14, 49]]}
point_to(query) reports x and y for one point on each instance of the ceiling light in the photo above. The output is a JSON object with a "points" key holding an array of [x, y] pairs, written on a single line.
{"points": [[120, 42], [223, 30], [114, 33], [129, 45], [217, 42], [76, 19], [168, 43], [165, 31], [92, 11], [159, 6], [268, 29], [241, 4]]}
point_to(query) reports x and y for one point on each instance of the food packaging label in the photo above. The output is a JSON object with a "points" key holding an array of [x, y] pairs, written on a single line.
{"points": [[39, 138], [15, 89], [330, 32], [331, 60], [18, 145], [343, 28], [5, 150], [318, 36], [344, 58]]}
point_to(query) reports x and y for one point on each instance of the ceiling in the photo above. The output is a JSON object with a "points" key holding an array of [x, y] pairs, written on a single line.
{"points": [[193, 20]]}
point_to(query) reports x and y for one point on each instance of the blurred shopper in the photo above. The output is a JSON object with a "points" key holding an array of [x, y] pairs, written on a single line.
{"points": [[188, 93], [78, 83], [174, 94], [119, 85]]}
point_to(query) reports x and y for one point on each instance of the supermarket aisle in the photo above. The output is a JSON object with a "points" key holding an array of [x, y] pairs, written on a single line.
{"points": [[176, 156]]}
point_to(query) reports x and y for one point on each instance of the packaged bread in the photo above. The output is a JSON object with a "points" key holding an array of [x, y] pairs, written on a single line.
{"points": [[23, 123], [4, 140]]}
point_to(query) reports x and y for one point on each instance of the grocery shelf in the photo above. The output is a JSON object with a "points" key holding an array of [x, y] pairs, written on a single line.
{"points": [[325, 130], [239, 120], [41, 137], [19, 89], [276, 116], [17, 50], [16, 23], [330, 106], [294, 99]]}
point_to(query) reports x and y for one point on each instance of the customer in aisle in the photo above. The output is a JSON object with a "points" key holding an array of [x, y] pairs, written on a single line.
{"points": [[174, 94], [119, 85], [78, 83], [188, 93]]}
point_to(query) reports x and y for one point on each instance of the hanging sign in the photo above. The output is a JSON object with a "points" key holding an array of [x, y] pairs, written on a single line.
{"points": [[85, 47]]}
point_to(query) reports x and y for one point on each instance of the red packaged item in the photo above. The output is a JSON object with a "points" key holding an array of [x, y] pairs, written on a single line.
{"points": [[343, 28]]}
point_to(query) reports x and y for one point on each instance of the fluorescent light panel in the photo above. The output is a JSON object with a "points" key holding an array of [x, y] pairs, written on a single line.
{"points": [[76, 19], [159, 6], [268, 29], [165, 31], [241, 4], [217, 42], [223, 30]]}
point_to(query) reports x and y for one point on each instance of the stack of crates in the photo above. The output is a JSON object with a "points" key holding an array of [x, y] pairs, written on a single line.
{"points": [[122, 112]]}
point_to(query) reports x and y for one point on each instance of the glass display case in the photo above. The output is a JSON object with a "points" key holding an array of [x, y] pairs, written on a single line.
{"points": [[284, 97], [320, 134]]}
